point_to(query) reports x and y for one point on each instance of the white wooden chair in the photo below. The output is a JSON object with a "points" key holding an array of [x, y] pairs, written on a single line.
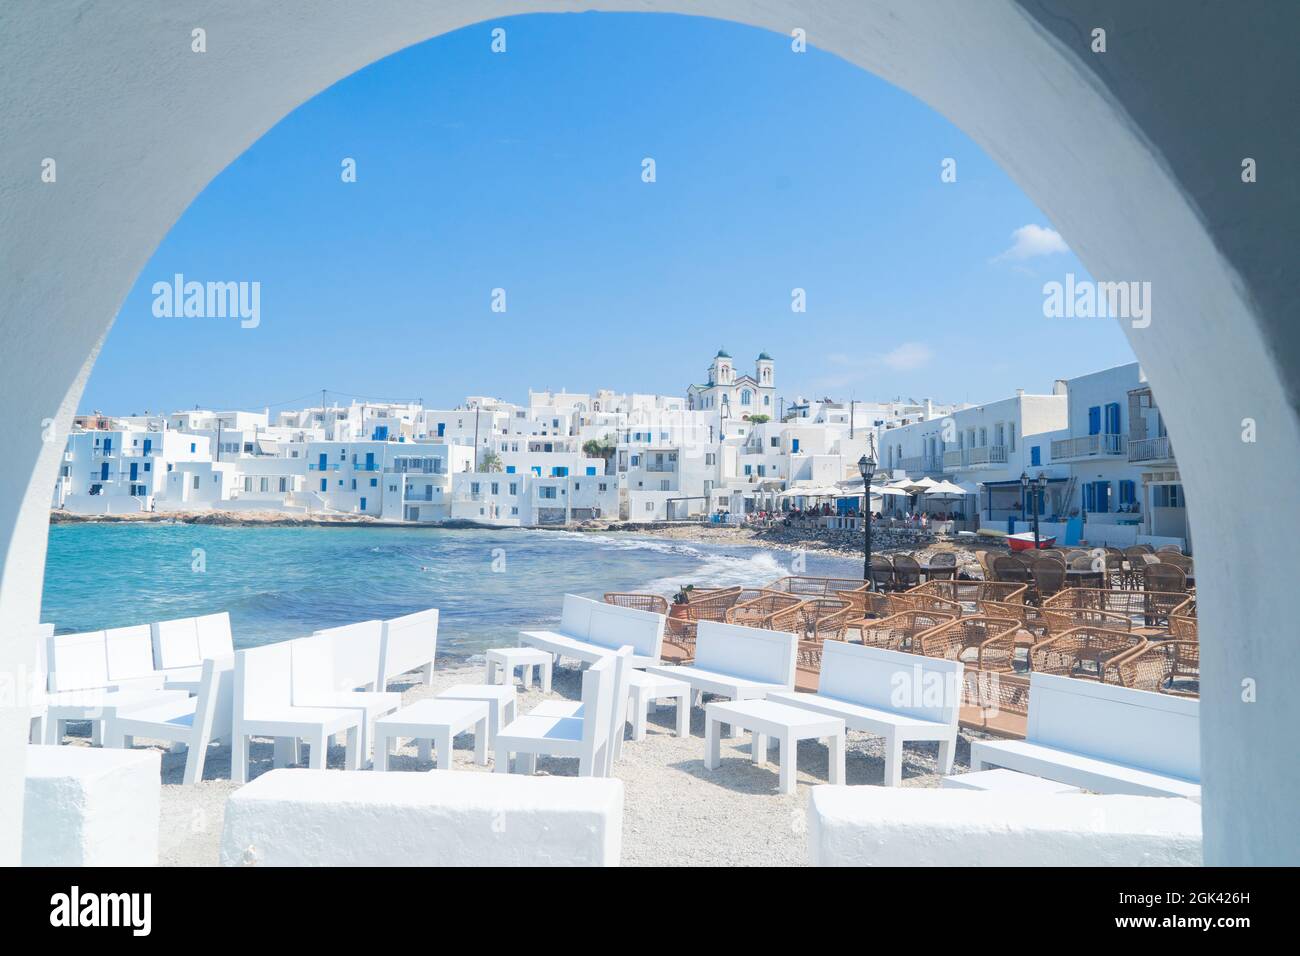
{"points": [[326, 668], [590, 630], [587, 737], [80, 688], [264, 707], [38, 682], [901, 697], [408, 643], [623, 670], [129, 651], [194, 722], [1104, 738]]}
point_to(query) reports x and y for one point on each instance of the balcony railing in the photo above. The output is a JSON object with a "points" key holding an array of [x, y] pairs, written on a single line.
{"points": [[974, 457], [661, 466], [1151, 449], [1088, 446], [921, 463]]}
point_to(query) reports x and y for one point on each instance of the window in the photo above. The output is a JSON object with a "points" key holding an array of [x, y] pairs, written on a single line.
{"points": [[284, 484], [473, 487], [374, 482], [664, 485], [776, 442], [749, 469], [603, 486], [196, 483], [496, 488], [1112, 418], [591, 470], [547, 491], [106, 447], [514, 487], [264, 484], [1127, 492], [649, 506], [1035, 456]]}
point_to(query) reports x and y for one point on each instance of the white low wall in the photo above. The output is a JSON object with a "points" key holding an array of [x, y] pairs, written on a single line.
{"points": [[104, 504], [440, 818], [91, 807], [884, 826]]}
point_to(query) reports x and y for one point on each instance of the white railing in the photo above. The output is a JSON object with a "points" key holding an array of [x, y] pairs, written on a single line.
{"points": [[973, 457], [1088, 446], [1151, 449]]}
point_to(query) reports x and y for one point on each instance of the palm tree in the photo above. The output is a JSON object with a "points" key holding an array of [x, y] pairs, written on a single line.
{"points": [[601, 448], [490, 462]]}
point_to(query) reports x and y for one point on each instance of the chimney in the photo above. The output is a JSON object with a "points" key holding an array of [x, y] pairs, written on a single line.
{"points": [[929, 409], [1020, 393]]}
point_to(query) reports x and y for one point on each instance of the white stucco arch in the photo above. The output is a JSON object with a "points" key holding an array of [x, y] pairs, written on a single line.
{"points": [[1141, 188]]}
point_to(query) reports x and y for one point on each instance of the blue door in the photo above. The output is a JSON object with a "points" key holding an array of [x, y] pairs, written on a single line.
{"points": [[442, 429], [135, 467], [370, 461], [794, 446], [103, 472], [321, 464], [363, 504], [323, 483], [1094, 420], [108, 446], [148, 445]]}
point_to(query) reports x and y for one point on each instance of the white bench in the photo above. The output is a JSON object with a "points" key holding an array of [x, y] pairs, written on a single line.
{"points": [[590, 630], [1104, 738], [80, 687], [181, 645], [310, 818], [89, 807], [354, 653], [737, 662], [901, 697], [264, 707], [408, 643], [915, 826], [329, 664]]}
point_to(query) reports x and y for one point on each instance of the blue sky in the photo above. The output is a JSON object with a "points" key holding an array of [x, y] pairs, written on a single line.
{"points": [[522, 171]]}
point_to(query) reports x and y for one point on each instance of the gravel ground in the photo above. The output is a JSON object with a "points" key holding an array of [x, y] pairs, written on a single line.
{"points": [[676, 813]]}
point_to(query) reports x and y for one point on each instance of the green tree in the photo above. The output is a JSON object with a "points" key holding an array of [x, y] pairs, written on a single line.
{"points": [[490, 462]]}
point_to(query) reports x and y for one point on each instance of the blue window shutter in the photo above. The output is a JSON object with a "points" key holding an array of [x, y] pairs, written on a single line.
{"points": [[1088, 493], [1094, 420], [322, 483], [1112, 418], [1035, 456], [591, 470], [510, 469]]}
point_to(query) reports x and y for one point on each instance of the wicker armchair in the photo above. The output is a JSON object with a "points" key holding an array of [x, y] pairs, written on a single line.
{"points": [[758, 611], [867, 603], [907, 572], [942, 567], [1169, 549], [882, 572], [898, 632], [1049, 577], [1032, 626], [1182, 621], [684, 619], [917, 599], [807, 586], [1169, 667], [1000, 699], [815, 621], [1143, 608], [1060, 620], [655, 603], [1164, 577], [1088, 653], [985, 643]]}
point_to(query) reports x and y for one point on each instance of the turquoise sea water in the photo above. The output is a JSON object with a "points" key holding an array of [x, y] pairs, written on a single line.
{"points": [[279, 583]]}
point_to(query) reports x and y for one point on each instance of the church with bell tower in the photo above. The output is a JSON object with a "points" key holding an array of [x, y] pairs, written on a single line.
{"points": [[739, 395]]}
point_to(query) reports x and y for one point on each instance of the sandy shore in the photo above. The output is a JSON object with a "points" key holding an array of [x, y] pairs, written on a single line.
{"points": [[676, 813]]}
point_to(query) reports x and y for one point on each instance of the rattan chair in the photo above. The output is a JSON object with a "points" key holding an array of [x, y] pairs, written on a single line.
{"points": [[1169, 549], [1049, 577], [1163, 577], [985, 643], [1084, 652], [907, 572], [656, 603], [898, 632], [942, 567], [920, 599], [1169, 667], [710, 606], [882, 572], [758, 611], [809, 586], [1143, 608], [1182, 621], [815, 620], [1060, 620], [1032, 625]]}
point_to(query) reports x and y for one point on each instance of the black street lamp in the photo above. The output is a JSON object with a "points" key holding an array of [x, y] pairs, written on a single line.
{"points": [[1041, 489], [866, 467], [1024, 493]]}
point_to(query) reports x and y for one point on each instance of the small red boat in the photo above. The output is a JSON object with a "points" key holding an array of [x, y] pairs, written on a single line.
{"points": [[1025, 541]]}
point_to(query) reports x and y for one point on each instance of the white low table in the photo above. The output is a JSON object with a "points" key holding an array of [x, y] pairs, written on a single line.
{"points": [[1004, 781], [787, 724], [500, 698], [434, 720], [506, 659], [644, 688]]}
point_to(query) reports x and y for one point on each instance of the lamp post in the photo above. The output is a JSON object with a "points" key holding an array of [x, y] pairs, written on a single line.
{"points": [[866, 467], [1024, 493], [1041, 490]]}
